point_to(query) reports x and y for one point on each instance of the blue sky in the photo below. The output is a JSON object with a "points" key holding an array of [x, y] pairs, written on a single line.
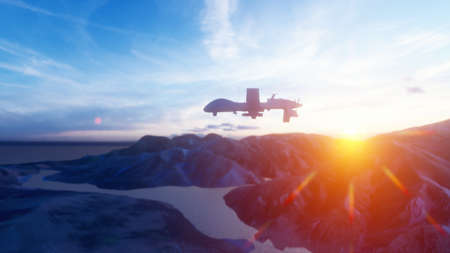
{"points": [[149, 67]]}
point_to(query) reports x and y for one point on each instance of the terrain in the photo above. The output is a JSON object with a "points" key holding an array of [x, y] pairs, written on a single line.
{"points": [[389, 193], [34, 220], [399, 199]]}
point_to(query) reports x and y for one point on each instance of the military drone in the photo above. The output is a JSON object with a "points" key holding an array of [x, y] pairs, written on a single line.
{"points": [[253, 107]]}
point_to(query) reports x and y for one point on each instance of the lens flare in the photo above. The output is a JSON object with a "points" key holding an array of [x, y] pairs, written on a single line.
{"points": [[258, 233], [288, 201], [429, 218], [436, 225], [395, 180], [262, 229], [299, 188], [98, 121], [351, 203]]}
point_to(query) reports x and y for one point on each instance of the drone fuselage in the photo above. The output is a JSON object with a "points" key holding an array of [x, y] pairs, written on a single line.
{"points": [[253, 107]]}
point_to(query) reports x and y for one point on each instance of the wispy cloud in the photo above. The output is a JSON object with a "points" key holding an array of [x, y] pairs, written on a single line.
{"points": [[220, 37], [15, 49], [343, 69], [74, 118], [34, 72], [66, 17], [29, 62], [227, 127], [147, 58], [419, 42], [433, 71], [23, 5]]}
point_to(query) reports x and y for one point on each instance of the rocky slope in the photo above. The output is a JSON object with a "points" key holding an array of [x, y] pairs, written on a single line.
{"points": [[13, 176], [211, 161], [400, 183], [389, 214], [55, 221], [60, 221]]}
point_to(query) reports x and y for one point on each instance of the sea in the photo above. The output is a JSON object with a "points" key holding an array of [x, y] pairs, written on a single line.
{"points": [[28, 152]]}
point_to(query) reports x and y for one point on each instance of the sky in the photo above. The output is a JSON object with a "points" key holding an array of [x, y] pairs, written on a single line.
{"points": [[118, 70]]}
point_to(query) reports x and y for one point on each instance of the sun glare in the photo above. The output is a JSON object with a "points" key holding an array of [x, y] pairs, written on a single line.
{"points": [[351, 155], [351, 134]]}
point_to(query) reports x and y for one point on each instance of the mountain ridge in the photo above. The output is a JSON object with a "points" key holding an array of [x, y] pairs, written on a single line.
{"points": [[400, 182]]}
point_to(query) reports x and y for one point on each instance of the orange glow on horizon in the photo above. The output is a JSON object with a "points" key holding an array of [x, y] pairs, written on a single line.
{"points": [[351, 134], [351, 146], [350, 156]]}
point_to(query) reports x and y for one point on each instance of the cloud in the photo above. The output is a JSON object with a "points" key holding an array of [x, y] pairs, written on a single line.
{"points": [[15, 49], [147, 58], [35, 102], [243, 127], [35, 72], [212, 127], [31, 63], [227, 127], [23, 5], [15, 125], [220, 37], [304, 49], [419, 42], [433, 71], [414, 90], [76, 20]]}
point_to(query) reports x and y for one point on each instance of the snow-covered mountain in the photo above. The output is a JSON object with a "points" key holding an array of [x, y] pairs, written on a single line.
{"points": [[56, 221], [295, 188], [211, 161], [42, 221], [401, 198]]}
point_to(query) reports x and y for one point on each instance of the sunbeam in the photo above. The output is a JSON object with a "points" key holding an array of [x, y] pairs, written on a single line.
{"points": [[300, 187], [395, 180], [435, 224], [288, 201], [351, 202]]}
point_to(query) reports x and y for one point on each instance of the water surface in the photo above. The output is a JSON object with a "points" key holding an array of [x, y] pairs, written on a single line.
{"points": [[205, 208]]}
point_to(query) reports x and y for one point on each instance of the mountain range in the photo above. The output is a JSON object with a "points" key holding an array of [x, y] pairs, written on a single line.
{"points": [[389, 193]]}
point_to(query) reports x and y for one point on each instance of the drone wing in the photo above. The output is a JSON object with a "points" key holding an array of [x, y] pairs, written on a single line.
{"points": [[288, 113]]}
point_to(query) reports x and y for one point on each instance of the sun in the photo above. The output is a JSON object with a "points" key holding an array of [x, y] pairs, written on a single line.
{"points": [[351, 134]]}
